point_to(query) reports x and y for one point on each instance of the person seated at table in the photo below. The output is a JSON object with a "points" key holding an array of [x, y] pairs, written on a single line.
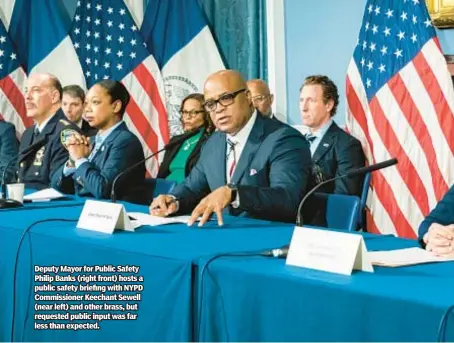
{"points": [[436, 232], [73, 106], [180, 159], [43, 94], [334, 151], [94, 163], [251, 166], [8, 149]]}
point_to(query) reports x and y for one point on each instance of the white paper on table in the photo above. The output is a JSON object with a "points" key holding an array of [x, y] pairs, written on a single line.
{"points": [[139, 219], [404, 257], [44, 195]]}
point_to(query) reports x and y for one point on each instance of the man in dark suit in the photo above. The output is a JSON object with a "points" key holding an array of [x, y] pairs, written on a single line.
{"points": [[334, 152], [95, 163], [42, 100], [436, 232], [8, 148], [252, 166], [73, 106], [261, 96]]}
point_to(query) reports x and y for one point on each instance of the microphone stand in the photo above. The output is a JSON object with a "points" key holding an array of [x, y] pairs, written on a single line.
{"points": [[283, 251]]}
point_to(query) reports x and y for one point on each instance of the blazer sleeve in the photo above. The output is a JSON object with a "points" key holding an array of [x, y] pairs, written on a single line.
{"points": [[8, 150], [289, 172], [442, 214], [195, 187], [122, 155], [61, 182], [350, 156]]}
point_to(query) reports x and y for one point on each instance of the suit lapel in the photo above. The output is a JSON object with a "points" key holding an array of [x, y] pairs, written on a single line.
{"points": [[50, 126], [325, 144], [253, 142], [107, 142]]}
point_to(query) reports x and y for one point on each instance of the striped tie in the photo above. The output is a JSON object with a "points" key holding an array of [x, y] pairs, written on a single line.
{"points": [[231, 150]]}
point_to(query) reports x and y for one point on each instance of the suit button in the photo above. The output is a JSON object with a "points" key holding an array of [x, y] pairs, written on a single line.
{"points": [[37, 173]]}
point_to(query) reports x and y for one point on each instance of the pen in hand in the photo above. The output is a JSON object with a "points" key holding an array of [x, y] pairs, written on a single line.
{"points": [[164, 205], [168, 202]]}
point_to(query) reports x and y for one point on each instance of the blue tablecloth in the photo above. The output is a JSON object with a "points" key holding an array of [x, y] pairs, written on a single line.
{"points": [[262, 299], [166, 256]]}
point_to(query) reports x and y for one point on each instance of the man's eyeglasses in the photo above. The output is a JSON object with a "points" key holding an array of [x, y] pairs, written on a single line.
{"points": [[190, 114], [260, 98], [225, 100]]}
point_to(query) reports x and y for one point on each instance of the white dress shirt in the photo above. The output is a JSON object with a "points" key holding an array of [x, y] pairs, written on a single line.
{"points": [[240, 140]]}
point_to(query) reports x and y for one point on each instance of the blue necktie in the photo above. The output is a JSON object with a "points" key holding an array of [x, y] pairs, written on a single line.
{"points": [[310, 137]]}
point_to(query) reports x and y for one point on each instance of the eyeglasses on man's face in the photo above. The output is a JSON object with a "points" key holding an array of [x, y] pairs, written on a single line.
{"points": [[225, 100], [190, 114], [260, 98]]}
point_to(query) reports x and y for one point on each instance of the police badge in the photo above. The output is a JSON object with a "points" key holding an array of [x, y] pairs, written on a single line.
{"points": [[65, 134]]}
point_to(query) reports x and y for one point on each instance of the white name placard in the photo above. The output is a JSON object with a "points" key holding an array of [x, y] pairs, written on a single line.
{"points": [[331, 251], [104, 217]]}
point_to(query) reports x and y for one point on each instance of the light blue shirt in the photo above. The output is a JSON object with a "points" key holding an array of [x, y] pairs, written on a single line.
{"points": [[99, 141], [319, 136]]}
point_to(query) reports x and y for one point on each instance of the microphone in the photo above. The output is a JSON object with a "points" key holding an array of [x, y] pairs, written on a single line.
{"points": [[283, 251], [176, 141], [9, 203]]}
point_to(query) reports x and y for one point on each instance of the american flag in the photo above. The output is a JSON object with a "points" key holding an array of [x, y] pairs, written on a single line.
{"points": [[12, 81], [109, 46], [400, 104]]}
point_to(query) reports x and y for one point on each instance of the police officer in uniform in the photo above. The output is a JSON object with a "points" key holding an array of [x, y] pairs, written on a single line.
{"points": [[43, 100]]}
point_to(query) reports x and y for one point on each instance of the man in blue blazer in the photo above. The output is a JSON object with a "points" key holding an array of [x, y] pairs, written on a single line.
{"points": [[8, 148], [95, 163], [334, 152], [252, 166], [436, 232]]}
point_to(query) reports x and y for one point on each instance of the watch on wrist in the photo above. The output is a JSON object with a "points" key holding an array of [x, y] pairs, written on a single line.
{"points": [[234, 194]]}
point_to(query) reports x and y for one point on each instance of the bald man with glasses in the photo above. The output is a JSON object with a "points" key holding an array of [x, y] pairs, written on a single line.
{"points": [[261, 96], [251, 166]]}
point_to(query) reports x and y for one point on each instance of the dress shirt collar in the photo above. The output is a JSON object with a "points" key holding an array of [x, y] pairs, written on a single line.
{"points": [[44, 123], [242, 136], [100, 138]]}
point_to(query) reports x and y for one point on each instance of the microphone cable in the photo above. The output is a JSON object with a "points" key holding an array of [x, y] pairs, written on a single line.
{"points": [[28, 228], [256, 253], [442, 327]]}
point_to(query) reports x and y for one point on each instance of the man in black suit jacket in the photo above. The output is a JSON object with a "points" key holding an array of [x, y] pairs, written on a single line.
{"points": [[334, 152], [73, 106], [42, 101]]}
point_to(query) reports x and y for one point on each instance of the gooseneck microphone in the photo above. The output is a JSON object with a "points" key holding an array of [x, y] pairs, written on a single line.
{"points": [[176, 141], [9, 203], [283, 251]]}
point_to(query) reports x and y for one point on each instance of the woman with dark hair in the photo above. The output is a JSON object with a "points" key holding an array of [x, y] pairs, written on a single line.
{"points": [[94, 164], [179, 160]]}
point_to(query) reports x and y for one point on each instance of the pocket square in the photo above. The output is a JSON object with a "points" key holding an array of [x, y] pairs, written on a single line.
{"points": [[252, 172]]}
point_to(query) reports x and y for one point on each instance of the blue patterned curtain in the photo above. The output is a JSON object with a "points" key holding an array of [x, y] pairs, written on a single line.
{"points": [[239, 28]]}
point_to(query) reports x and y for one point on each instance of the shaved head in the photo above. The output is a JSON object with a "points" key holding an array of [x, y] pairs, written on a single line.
{"points": [[259, 86], [231, 78], [228, 99]]}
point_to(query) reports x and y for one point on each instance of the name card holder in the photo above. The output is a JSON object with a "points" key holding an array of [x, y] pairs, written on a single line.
{"points": [[104, 217], [330, 251]]}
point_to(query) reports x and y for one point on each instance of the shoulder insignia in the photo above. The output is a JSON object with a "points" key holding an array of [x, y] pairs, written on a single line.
{"points": [[64, 122]]}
